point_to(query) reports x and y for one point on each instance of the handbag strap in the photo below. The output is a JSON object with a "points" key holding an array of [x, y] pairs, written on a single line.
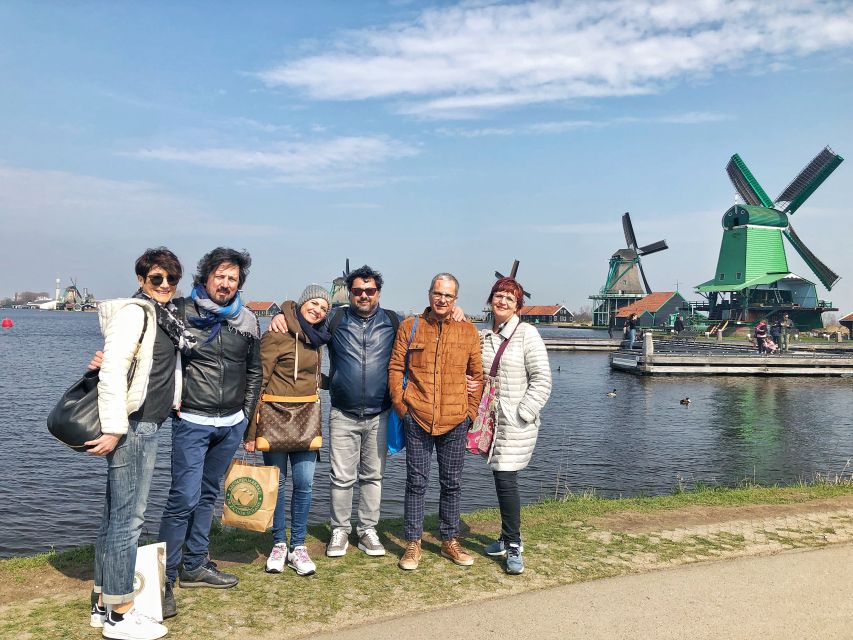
{"points": [[406, 367], [132, 370], [292, 399], [494, 370]]}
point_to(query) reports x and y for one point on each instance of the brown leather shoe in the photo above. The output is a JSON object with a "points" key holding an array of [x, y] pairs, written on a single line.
{"points": [[453, 550], [412, 558]]}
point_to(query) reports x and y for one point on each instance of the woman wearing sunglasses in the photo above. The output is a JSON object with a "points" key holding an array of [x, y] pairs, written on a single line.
{"points": [[137, 390], [291, 369], [523, 383]]}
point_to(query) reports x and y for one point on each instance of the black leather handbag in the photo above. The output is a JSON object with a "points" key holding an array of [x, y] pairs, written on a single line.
{"points": [[75, 419]]}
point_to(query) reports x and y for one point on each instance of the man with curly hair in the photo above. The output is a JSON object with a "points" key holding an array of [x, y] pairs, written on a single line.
{"points": [[221, 381]]}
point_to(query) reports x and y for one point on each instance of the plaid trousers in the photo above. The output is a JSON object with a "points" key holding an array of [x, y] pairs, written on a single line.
{"points": [[450, 452]]}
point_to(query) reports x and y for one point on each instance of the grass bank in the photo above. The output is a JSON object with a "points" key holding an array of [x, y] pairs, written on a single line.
{"points": [[581, 537]]}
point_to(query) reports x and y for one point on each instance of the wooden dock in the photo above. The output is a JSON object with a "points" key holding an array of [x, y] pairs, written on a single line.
{"points": [[692, 358], [582, 344]]}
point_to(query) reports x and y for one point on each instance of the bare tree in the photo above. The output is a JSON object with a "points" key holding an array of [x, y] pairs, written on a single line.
{"points": [[584, 315]]}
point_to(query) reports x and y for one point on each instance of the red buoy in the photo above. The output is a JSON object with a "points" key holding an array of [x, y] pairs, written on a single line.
{"points": [[7, 323]]}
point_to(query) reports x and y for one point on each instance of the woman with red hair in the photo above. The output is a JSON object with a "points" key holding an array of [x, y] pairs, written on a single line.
{"points": [[523, 383]]}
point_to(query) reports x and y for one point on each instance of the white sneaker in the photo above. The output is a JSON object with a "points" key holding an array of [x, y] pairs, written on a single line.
{"points": [[277, 558], [368, 542], [133, 626], [339, 543], [298, 559], [98, 616]]}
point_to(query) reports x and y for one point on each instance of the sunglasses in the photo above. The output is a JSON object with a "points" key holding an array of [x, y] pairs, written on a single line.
{"points": [[157, 279], [370, 291]]}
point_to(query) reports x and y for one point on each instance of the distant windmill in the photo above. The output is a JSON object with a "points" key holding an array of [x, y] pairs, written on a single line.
{"points": [[339, 292], [625, 270], [512, 274]]}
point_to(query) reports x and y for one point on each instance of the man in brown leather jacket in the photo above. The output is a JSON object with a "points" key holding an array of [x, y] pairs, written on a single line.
{"points": [[437, 410]]}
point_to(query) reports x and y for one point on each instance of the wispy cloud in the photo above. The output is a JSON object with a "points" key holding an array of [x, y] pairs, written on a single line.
{"points": [[71, 205], [475, 57], [565, 126], [324, 163]]}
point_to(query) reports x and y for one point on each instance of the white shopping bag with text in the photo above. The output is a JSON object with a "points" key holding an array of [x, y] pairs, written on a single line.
{"points": [[149, 580]]}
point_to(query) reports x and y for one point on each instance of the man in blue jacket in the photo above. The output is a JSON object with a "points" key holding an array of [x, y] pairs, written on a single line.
{"points": [[359, 353]]}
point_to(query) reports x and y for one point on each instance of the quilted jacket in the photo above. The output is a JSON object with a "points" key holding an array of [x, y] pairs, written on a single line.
{"points": [[441, 354], [524, 385]]}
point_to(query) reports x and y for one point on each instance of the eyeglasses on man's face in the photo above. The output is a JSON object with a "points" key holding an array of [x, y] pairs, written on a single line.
{"points": [[157, 279], [368, 291], [442, 296]]}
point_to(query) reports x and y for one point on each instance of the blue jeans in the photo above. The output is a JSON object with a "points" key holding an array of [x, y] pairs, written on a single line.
{"points": [[130, 467], [200, 456], [632, 337], [302, 465]]}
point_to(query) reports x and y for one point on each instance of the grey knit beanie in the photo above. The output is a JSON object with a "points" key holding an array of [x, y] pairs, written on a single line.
{"points": [[314, 291]]}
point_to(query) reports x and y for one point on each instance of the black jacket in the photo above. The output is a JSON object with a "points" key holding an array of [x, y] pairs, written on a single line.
{"points": [[223, 376], [359, 352]]}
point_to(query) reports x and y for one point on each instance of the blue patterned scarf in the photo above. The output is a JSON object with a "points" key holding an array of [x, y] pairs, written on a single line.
{"points": [[213, 316]]}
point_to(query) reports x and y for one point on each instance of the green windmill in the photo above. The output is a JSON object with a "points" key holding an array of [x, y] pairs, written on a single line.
{"points": [[753, 280]]}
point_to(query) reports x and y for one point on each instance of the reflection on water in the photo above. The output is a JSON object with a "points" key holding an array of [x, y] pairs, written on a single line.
{"points": [[775, 430]]}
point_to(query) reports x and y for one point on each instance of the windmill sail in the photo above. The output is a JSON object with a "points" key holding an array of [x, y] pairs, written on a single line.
{"points": [[643, 275], [654, 247], [628, 228], [826, 275], [809, 179], [746, 184], [512, 274]]}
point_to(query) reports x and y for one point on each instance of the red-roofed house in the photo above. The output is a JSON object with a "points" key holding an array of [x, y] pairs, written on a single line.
{"points": [[263, 308], [545, 314], [652, 311], [847, 323]]}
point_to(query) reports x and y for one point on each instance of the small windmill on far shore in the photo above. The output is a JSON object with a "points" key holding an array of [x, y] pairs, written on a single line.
{"points": [[512, 274], [338, 291], [626, 281]]}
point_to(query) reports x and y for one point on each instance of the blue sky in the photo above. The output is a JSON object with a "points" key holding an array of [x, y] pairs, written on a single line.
{"points": [[416, 137]]}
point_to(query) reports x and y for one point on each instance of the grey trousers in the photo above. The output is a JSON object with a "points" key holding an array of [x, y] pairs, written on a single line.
{"points": [[357, 450]]}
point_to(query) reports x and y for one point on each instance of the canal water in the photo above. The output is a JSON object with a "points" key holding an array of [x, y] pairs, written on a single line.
{"points": [[642, 441]]}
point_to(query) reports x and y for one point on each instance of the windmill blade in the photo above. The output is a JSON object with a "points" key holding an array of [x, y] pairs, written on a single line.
{"points": [[826, 275], [809, 179], [643, 275], [654, 247], [514, 271], [746, 184], [499, 275], [628, 228], [346, 269]]}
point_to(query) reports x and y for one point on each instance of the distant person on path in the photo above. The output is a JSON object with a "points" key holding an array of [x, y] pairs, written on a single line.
{"points": [[131, 415], [291, 368], [788, 327], [761, 336], [611, 323], [437, 410], [776, 334], [631, 325], [679, 325], [524, 385], [222, 379]]}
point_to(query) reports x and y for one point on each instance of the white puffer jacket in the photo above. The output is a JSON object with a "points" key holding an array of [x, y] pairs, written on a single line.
{"points": [[121, 322], [524, 385]]}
